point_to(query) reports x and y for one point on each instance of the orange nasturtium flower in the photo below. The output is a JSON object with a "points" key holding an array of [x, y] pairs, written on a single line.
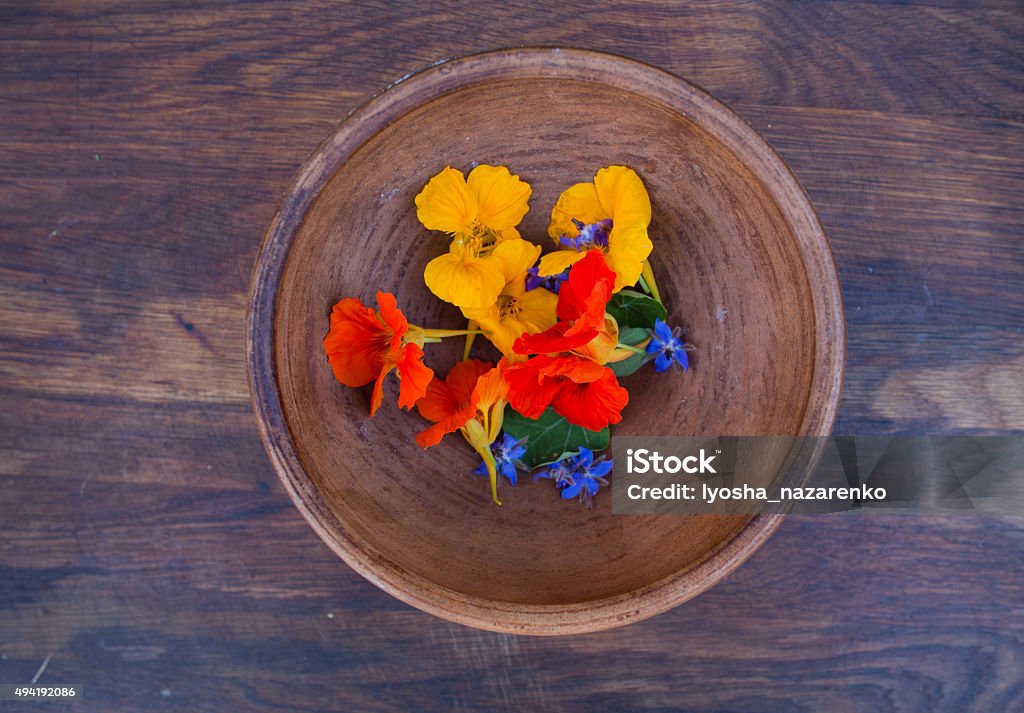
{"points": [[479, 212], [365, 345], [517, 311], [610, 214], [471, 400]]}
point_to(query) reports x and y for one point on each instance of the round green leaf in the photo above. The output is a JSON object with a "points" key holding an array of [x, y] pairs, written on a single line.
{"points": [[635, 309], [550, 437]]}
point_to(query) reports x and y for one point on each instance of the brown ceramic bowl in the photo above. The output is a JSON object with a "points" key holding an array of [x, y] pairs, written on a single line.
{"points": [[739, 256]]}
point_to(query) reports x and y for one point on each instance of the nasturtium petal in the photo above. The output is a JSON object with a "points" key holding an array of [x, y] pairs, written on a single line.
{"points": [[579, 371], [414, 376], [490, 396], [507, 234], [555, 339], [558, 261], [514, 258], [580, 202], [538, 310], [593, 404], [536, 314], [448, 401], [377, 395], [628, 248], [446, 203], [501, 198], [432, 435], [602, 349], [355, 343], [623, 196], [464, 281], [463, 376], [587, 290], [392, 316]]}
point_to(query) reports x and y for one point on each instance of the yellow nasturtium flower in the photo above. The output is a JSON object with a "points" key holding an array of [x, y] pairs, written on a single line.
{"points": [[611, 214], [479, 212], [516, 310]]}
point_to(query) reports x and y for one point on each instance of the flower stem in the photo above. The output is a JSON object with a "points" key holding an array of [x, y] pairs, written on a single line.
{"points": [[422, 336], [647, 277], [629, 347], [445, 333], [475, 433], [492, 470], [469, 339]]}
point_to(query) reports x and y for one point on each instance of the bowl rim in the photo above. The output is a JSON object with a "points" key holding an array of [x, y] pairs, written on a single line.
{"points": [[450, 75]]}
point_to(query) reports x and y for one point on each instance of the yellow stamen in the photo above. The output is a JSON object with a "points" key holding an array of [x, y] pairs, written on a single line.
{"points": [[508, 307], [478, 242]]}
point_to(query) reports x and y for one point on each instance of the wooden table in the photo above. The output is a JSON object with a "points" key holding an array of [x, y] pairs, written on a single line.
{"points": [[147, 550]]}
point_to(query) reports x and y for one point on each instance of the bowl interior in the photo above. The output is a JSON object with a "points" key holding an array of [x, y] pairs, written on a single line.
{"points": [[727, 262]]}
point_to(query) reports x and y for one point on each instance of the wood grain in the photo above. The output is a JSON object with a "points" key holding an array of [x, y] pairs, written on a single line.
{"points": [[144, 539]]}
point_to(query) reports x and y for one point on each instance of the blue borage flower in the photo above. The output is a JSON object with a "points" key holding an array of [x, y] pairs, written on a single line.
{"points": [[578, 475], [592, 235], [665, 342], [552, 283], [507, 457]]}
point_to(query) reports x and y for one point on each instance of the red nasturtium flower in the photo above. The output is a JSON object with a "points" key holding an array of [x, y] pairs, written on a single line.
{"points": [[575, 384], [584, 392], [471, 400], [364, 345], [582, 300]]}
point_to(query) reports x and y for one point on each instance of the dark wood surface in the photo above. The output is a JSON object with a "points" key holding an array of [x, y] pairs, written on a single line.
{"points": [[146, 547]]}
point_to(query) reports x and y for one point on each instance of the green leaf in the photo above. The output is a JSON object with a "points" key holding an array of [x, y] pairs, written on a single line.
{"points": [[635, 309], [633, 335], [630, 365], [550, 437]]}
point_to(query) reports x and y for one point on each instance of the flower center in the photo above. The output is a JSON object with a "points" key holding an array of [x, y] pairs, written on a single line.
{"points": [[478, 242], [508, 307], [380, 343], [592, 235]]}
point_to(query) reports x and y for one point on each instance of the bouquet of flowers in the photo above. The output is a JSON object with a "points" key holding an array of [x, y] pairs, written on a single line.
{"points": [[568, 325]]}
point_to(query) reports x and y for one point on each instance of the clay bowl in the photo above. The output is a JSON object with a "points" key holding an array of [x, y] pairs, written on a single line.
{"points": [[740, 258]]}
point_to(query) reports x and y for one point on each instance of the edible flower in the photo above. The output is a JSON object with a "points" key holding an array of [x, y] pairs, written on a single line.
{"points": [[611, 214], [583, 327], [581, 309], [579, 475], [553, 283], [479, 212], [365, 345], [516, 311], [665, 342], [584, 392], [471, 399], [507, 456]]}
